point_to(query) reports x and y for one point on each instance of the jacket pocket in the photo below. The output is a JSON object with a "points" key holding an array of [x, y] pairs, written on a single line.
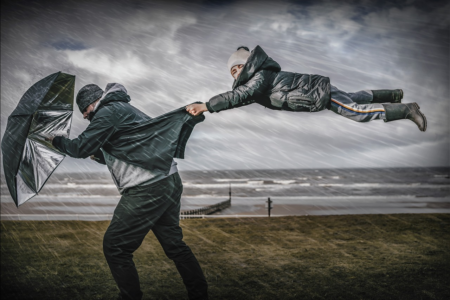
{"points": [[300, 102]]}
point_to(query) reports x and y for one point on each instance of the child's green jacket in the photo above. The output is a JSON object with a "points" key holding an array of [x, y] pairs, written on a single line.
{"points": [[263, 82]]}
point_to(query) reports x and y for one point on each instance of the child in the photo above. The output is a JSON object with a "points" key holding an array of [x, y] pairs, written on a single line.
{"points": [[258, 78]]}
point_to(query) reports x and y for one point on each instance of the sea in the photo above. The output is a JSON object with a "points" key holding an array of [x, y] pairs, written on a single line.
{"points": [[292, 192]]}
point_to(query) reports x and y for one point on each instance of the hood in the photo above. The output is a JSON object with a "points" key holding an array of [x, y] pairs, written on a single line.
{"points": [[113, 92], [257, 61]]}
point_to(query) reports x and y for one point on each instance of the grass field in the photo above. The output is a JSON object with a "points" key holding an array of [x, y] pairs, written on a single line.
{"points": [[312, 257]]}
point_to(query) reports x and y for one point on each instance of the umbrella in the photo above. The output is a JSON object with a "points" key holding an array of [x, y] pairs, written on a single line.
{"points": [[28, 159]]}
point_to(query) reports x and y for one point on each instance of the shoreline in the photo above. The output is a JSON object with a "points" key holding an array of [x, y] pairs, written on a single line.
{"points": [[102, 208]]}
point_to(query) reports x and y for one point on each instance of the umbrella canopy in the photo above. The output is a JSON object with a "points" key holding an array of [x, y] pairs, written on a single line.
{"points": [[28, 159]]}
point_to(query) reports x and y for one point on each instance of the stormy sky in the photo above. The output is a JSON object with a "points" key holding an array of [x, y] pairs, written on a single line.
{"points": [[170, 54]]}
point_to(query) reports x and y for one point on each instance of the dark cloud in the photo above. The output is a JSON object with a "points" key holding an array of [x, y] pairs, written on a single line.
{"points": [[68, 44], [171, 54]]}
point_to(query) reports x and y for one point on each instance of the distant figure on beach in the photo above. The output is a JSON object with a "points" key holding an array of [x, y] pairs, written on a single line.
{"points": [[139, 152], [258, 78]]}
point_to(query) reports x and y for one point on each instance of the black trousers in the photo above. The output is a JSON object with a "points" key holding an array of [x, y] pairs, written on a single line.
{"points": [[153, 207]]}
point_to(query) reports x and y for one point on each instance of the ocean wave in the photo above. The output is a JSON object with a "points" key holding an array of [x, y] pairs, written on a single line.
{"points": [[230, 180], [284, 181], [258, 184], [441, 176]]}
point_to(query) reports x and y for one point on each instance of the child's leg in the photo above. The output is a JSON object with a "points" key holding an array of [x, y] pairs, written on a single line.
{"points": [[377, 96], [361, 97], [345, 105]]}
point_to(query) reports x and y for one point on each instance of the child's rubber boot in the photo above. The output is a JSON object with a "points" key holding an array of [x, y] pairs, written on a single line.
{"points": [[410, 111], [387, 96]]}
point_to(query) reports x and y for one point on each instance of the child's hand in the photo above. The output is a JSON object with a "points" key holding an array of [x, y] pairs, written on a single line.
{"points": [[196, 109]]}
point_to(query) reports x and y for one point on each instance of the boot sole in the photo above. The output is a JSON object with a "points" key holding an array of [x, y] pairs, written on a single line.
{"points": [[423, 117]]}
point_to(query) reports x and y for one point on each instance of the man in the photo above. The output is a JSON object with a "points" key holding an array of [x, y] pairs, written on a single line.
{"points": [[258, 78], [139, 152]]}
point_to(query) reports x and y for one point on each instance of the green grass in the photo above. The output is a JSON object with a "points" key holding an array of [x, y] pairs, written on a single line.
{"points": [[314, 257]]}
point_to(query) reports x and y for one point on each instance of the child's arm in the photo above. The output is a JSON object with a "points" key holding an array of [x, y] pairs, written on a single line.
{"points": [[242, 95]]}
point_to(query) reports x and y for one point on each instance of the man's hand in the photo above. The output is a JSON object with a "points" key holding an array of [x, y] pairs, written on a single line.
{"points": [[196, 109], [93, 157], [49, 139]]}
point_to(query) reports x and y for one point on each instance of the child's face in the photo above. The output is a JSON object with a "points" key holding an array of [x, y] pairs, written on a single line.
{"points": [[236, 70]]}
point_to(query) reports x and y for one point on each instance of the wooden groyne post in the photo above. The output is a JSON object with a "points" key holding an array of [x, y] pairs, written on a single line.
{"points": [[207, 210]]}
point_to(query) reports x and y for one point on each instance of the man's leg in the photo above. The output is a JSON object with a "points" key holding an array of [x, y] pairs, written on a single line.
{"points": [[137, 212], [169, 234]]}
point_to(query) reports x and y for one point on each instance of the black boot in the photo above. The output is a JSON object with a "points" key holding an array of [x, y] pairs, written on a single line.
{"points": [[387, 96], [399, 111]]}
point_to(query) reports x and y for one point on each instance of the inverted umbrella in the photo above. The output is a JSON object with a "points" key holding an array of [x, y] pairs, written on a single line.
{"points": [[28, 159]]}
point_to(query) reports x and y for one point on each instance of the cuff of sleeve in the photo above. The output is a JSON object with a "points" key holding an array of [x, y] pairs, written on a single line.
{"points": [[57, 142], [208, 106]]}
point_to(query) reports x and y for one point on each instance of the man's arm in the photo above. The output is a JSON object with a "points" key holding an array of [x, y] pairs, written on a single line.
{"points": [[101, 128], [242, 95]]}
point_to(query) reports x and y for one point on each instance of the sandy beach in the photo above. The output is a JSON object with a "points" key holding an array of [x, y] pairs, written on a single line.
{"points": [[293, 192]]}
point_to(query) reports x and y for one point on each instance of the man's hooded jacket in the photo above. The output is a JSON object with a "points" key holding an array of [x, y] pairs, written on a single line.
{"points": [[263, 82], [128, 134]]}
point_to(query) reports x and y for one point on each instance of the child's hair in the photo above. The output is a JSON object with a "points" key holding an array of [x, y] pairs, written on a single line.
{"points": [[243, 47]]}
